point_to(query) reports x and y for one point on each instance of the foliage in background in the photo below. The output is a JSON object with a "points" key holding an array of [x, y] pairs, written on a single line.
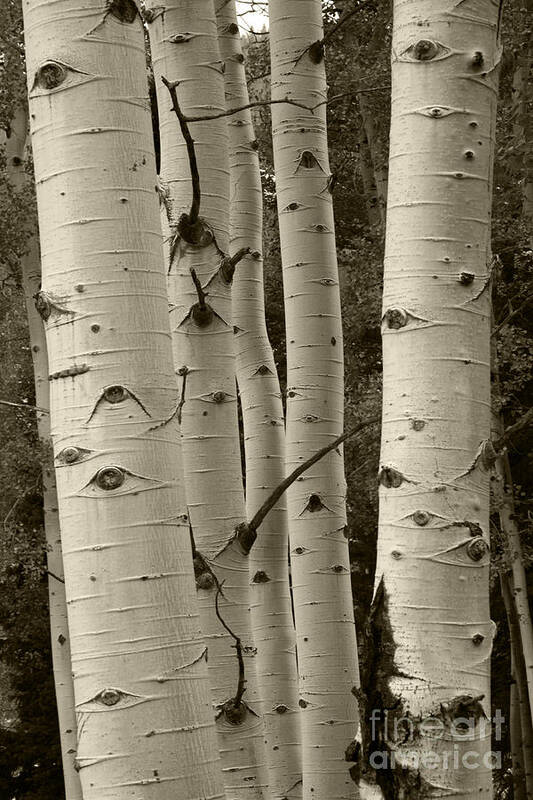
{"points": [[357, 57]]}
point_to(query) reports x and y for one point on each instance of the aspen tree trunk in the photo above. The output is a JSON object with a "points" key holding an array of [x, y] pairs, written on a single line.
{"points": [[379, 167], [430, 619], [369, 181], [503, 496], [325, 630], [517, 752], [145, 727], [506, 511], [60, 645], [520, 681], [184, 46], [264, 433], [370, 124], [523, 89]]}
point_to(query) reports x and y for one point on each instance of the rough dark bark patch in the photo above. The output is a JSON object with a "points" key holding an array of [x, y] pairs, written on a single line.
{"points": [[123, 10]]}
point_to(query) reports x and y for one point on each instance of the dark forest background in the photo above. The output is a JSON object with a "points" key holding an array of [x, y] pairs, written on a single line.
{"points": [[358, 58]]}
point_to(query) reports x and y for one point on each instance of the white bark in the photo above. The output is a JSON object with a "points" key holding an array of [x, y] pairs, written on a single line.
{"points": [[431, 626], [184, 48], [145, 727], [60, 644], [327, 652], [264, 433]]}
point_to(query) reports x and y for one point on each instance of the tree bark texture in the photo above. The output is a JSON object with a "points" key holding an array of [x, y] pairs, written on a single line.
{"points": [[264, 433], [185, 49], [326, 643], [145, 725], [430, 621]]}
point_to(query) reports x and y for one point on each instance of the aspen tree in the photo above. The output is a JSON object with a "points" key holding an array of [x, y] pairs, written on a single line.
{"points": [[327, 651], [60, 645], [194, 181], [264, 433], [145, 726], [431, 626], [515, 734], [373, 132], [519, 706], [523, 116], [366, 169], [506, 510]]}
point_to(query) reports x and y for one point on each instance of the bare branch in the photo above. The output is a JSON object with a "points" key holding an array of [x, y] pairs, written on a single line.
{"points": [[271, 501], [183, 371], [24, 405], [227, 265], [194, 213], [254, 104], [513, 314], [241, 684], [508, 435], [258, 103]]}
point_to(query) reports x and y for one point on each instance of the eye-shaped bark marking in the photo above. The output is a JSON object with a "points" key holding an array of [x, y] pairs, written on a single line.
{"points": [[316, 52], [263, 370], [437, 112], [109, 478], [114, 395], [232, 29], [390, 477], [110, 698], [180, 38], [123, 10], [205, 580], [468, 553], [310, 418], [46, 305], [396, 318], [299, 551], [425, 50], [114, 480], [291, 207], [477, 548], [260, 577], [314, 504], [417, 424], [308, 160], [51, 75], [198, 233], [55, 75], [232, 712], [72, 454], [338, 569], [421, 518]]}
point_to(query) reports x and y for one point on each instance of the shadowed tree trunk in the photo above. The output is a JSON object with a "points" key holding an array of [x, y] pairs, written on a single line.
{"points": [[60, 644]]}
